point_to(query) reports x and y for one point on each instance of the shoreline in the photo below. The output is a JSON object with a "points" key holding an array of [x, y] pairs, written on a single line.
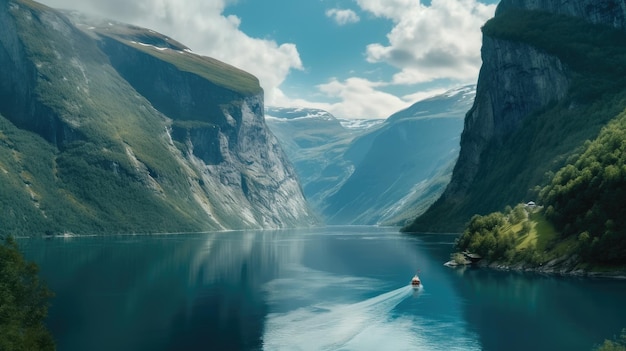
{"points": [[548, 269]]}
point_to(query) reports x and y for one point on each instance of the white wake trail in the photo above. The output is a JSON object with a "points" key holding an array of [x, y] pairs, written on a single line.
{"points": [[329, 327]]}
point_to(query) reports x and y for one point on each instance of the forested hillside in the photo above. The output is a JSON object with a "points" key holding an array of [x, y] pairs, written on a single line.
{"points": [[569, 157], [587, 198]]}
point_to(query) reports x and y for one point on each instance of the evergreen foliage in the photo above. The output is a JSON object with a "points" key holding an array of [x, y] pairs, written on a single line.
{"points": [[84, 189], [521, 236], [23, 303], [497, 236], [617, 344], [588, 198], [585, 199]]}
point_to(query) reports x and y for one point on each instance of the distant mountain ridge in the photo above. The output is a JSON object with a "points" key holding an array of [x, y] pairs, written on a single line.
{"points": [[314, 140], [297, 113], [374, 171], [111, 128], [402, 166]]}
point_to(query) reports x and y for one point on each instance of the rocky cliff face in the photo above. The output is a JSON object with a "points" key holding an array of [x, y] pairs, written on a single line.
{"points": [[237, 156], [516, 81], [605, 12], [162, 131]]}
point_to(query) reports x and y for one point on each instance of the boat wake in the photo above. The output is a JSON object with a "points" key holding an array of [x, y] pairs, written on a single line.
{"points": [[316, 310], [339, 326]]}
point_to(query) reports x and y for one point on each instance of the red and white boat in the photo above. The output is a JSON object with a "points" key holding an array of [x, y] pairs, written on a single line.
{"points": [[416, 282]]}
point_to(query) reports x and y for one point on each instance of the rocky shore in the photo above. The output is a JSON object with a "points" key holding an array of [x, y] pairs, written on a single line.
{"points": [[563, 266]]}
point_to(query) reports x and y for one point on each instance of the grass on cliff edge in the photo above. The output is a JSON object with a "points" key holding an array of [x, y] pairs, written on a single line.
{"points": [[541, 238], [544, 238], [220, 73], [540, 235]]}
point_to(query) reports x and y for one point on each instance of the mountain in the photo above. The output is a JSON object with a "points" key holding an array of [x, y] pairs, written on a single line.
{"points": [[374, 172], [552, 78], [402, 166], [111, 128], [315, 142]]}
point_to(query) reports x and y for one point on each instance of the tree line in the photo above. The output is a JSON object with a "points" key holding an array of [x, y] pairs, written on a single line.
{"points": [[23, 302]]}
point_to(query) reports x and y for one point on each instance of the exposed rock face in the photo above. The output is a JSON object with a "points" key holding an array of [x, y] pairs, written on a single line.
{"points": [[315, 142], [515, 80], [606, 12], [168, 133], [254, 182], [235, 152]]}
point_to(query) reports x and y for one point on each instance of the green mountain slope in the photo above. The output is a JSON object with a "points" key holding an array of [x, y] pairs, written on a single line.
{"points": [[586, 199], [47, 192], [117, 129]]}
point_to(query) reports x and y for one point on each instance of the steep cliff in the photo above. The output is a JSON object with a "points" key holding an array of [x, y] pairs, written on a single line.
{"points": [[549, 81], [515, 80], [605, 12], [315, 142], [139, 134]]}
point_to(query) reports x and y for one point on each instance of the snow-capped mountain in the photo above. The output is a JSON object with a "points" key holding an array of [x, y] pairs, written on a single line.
{"points": [[374, 171]]}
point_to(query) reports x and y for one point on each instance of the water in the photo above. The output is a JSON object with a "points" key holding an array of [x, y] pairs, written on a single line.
{"points": [[337, 288]]}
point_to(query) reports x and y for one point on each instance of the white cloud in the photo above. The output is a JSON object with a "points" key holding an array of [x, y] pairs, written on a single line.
{"points": [[422, 95], [201, 25], [427, 43], [430, 42], [343, 17], [392, 9], [356, 98], [360, 98]]}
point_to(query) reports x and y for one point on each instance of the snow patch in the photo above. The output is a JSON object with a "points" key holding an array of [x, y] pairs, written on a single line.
{"points": [[464, 92], [361, 124]]}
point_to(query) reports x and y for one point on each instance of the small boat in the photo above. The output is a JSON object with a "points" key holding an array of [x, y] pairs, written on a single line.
{"points": [[416, 282]]}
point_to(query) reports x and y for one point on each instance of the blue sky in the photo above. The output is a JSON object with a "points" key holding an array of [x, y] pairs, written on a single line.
{"points": [[353, 58], [327, 49]]}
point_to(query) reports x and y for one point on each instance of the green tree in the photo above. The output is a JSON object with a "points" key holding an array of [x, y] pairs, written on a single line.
{"points": [[484, 236], [587, 196], [618, 344], [518, 214], [23, 303]]}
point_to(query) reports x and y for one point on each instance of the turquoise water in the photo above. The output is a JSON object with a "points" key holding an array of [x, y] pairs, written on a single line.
{"points": [[336, 288]]}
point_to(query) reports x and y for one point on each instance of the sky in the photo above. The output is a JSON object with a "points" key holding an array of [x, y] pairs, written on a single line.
{"points": [[352, 58]]}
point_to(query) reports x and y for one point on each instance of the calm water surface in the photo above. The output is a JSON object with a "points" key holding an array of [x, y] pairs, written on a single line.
{"points": [[336, 288]]}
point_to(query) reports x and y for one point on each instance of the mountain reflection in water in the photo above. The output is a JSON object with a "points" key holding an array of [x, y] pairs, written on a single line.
{"points": [[334, 288]]}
